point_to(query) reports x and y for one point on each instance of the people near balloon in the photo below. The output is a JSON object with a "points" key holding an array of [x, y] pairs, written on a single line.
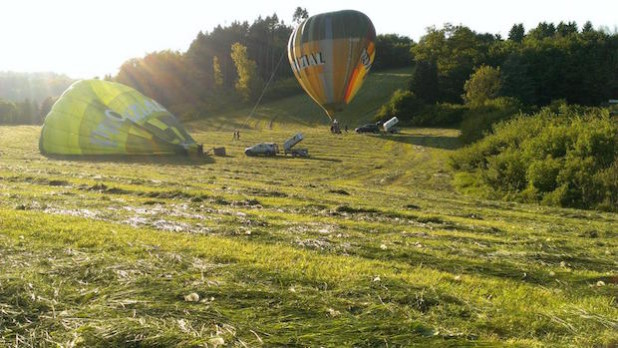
{"points": [[336, 129], [331, 55], [95, 117]]}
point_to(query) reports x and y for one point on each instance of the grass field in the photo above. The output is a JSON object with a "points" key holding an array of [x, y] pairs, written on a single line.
{"points": [[363, 244]]}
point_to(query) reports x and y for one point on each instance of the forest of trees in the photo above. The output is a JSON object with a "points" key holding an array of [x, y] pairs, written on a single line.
{"points": [[200, 80], [547, 63], [212, 75], [25, 98], [16, 86], [452, 66], [27, 111]]}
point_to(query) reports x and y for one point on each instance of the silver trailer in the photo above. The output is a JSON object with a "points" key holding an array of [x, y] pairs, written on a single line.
{"points": [[295, 139], [291, 142]]}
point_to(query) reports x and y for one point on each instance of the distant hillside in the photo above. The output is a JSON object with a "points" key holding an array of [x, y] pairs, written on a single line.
{"points": [[301, 109], [15, 86]]}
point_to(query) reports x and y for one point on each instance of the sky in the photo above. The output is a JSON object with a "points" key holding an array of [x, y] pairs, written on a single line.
{"points": [[86, 38]]}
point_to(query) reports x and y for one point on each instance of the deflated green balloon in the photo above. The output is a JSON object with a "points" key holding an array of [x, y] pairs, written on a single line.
{"points": [[95, 117]]}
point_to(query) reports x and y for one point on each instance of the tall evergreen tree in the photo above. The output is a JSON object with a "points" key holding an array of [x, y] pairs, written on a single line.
{"points": [[218, 75], [516, 81], [543, 30], [300, 14], [566, 29], [587, 28], [517, 33], [8, 112], [394, 52], [424, 83]]}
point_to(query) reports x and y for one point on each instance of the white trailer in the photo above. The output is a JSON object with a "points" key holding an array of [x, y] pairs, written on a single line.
{"points": [[390, 123]]}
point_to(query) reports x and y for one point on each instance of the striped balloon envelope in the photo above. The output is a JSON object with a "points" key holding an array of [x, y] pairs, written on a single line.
{"points": [[331, 55], [94, 117]]}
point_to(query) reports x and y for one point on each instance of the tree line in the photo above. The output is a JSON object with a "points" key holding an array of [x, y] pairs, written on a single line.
{"points": [[226, 66], [27, 111], [453, 65], [534, 67], [549, 62], [232, 64], [25, 98]]}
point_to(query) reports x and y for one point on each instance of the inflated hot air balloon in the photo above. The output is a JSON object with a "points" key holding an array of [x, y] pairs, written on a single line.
{"points": [[331, 54], [94, 117]]}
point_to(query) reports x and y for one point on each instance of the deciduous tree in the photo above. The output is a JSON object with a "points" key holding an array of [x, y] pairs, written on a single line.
{"points": [[248, 81], [484, 84]]}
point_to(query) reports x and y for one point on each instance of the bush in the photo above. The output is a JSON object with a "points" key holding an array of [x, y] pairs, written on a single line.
{"points": [[564, 156], [402, 104], [412, 111], [439, 115], [478, 120], [608, 180]]}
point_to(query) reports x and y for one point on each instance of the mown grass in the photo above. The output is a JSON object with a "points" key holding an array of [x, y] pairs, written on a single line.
{"points": [[363, 244]]}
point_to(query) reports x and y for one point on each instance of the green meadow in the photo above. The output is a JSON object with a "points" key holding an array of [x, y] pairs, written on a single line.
{"points": [[366, 243]]}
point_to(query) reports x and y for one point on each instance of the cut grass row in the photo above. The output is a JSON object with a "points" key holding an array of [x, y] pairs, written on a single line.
{"points": [[64, 281]]}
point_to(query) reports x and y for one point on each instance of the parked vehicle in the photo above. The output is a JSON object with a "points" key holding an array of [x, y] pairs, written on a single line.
{"points": [[368, 128], [262, 149], [272, 149]]}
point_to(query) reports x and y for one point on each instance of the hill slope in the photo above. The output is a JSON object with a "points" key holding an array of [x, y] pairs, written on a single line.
{"points": [[302, 110]]}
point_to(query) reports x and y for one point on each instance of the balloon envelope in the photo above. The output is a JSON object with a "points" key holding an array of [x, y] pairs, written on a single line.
{"points": [[331, 54], [94, 117]]}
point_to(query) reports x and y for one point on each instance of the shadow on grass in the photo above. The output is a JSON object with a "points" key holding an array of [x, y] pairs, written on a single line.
{"points": [[438, 142], [484, 268], [326, 159], [137, 159], [292, 158]]}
